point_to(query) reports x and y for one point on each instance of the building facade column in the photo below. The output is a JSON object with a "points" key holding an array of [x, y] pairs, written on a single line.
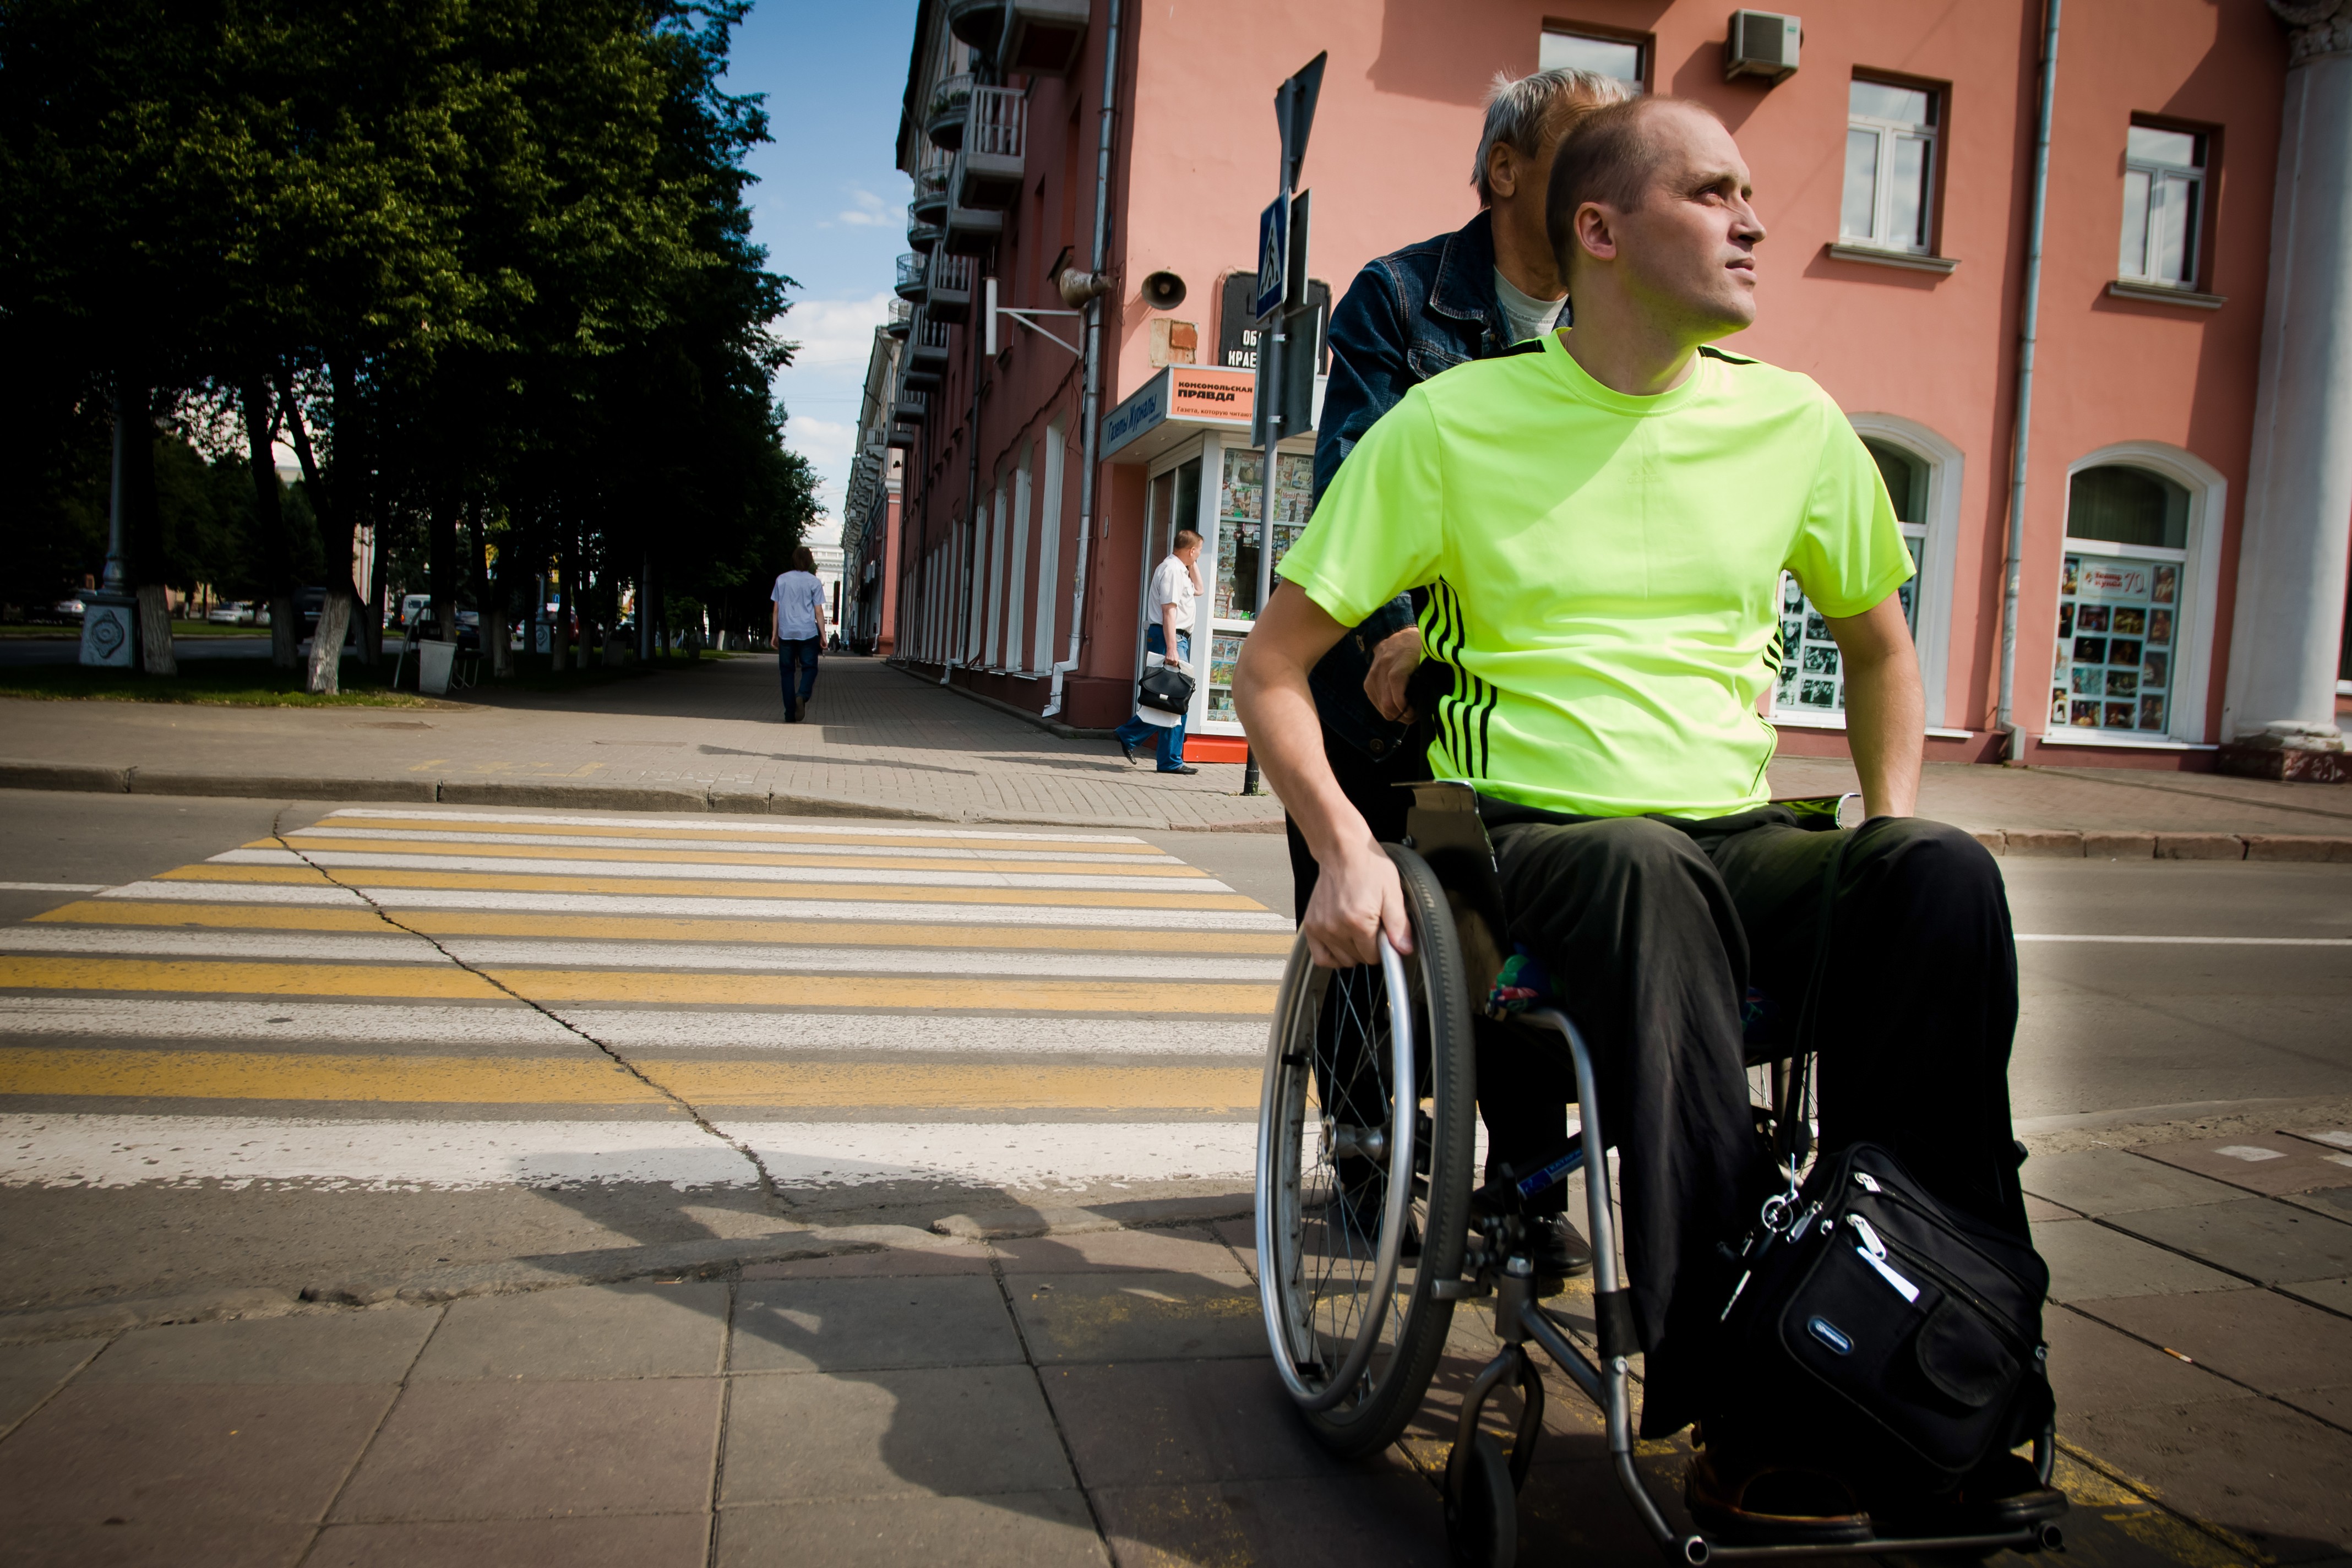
{"points": [[2279, 714]]}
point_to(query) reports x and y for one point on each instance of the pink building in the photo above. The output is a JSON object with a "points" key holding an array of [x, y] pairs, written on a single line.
{"points": [[2181, 571]]}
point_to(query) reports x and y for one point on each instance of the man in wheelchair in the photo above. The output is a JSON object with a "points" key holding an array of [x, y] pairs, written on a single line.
{"points": [[1602, 517]]}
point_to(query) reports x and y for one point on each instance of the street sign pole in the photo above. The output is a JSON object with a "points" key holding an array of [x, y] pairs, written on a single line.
{"points": [[1281, 285]]}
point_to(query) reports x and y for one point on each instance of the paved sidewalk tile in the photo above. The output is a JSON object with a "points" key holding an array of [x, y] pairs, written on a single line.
{"points": [[1335, 1522], [581, 1332], [1138, 1317], [2258, 1337], [338, 1347], [163, 1453], [2263, 1239], [213, 1543], [857, 1325], [2273, 1163], [960, 1431], [2088, 1261], [2095, 1369], [2272, 1475], [659, 1541], [1181, 1250], [2336, 1295], [1579, 1513], [1241, 1235], [1033, 1529], [536, 1450], [1176, 1422], [2115, 1181], [30, 1373]]}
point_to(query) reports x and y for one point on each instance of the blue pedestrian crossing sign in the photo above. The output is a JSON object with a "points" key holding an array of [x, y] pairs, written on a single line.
{"points": [[1273, 253]]}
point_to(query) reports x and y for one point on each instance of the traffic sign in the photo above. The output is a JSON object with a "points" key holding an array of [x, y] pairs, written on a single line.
{"points": [[1273, 253], [1294, 111]]}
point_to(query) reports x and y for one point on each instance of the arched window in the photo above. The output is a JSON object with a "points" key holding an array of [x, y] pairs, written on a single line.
{"points": [[1921, 471], [2134, 590]]}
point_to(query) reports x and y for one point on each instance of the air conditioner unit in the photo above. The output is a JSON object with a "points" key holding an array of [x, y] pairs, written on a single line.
{"points": [[1762, 43]]}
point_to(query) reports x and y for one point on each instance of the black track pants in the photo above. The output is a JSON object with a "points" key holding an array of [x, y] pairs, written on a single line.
{"points": [[1654, 929]]}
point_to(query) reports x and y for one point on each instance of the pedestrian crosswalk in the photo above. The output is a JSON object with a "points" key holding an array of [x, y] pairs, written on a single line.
{"points": [[402, 996]]}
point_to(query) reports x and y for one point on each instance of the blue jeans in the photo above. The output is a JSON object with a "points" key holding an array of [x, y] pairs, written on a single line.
{"points": [[1170, 740], [803, 652]]}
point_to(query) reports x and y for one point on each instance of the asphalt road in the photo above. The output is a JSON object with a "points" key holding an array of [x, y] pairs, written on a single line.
{"points": [[166, 1134]]}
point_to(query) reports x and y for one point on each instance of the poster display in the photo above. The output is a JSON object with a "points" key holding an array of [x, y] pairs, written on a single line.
{"points": [[1242, 527], [2117, 630], [1812, 675]]}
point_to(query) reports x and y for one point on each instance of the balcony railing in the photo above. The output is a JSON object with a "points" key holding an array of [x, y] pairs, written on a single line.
{"points": [[913, 282], [950, 279], [931, 198], [901, 318], [929, 344], [987, 176], [943, 117]]}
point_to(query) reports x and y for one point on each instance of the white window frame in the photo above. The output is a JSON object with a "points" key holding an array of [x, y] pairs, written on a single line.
{"points": [[1882, 195], [2156, 174], [2200, 562], [990, 657], [1016, 574], [1946, 469], [1209, 447], [1645, 48]]}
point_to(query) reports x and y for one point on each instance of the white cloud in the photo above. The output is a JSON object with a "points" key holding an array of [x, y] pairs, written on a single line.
{"points": [[867, 211], [829, 444], [834, 331]]}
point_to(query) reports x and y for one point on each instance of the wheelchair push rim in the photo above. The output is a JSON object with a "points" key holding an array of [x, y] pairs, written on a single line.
{"points": [[1290, 1316]]}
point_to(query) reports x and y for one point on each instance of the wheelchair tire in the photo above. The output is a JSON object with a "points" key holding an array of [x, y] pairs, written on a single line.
{"points": [[1482, 1525], [1354, 1326]]}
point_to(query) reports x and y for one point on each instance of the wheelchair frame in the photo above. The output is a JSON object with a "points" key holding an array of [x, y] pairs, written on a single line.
{"points": [[1497, 1262]]}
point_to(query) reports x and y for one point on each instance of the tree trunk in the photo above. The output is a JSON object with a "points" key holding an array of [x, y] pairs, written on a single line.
{"points": [[277, 540], [441, 553], [335, 548], [144, 528]]}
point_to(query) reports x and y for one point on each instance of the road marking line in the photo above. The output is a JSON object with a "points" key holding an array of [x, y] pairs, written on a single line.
{"points": [[270, 1075], [593, 928], [263, 886], [491, 839], [146, 1019], [738, 826], [2199, 940], [60, 1149], [688, 871], [314, 1077], [691, 892], [52, 887], [389, 851], [395, 947], [902, 994]]}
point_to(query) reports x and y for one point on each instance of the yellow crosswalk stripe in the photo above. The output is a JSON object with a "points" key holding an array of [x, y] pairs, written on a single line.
{"points": [[493, 1080], [829, 933], [783, 856], [683, 834], [427, 980], [651, 887]]}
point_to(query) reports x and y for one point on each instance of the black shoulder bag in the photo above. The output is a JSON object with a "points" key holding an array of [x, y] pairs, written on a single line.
{"points": [[1897, 1338], [1166, 688]]}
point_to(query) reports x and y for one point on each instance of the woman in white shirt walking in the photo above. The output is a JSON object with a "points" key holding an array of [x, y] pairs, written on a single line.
{"points": [[1174, 585], [796, 626]]}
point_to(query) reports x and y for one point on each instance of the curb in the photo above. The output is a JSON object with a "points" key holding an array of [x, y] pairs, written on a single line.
{"points": [[1007, 1224], [73, 778], [2013, 843]]}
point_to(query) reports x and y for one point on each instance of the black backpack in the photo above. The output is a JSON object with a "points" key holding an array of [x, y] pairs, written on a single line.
{"points": [[1894, 1337]]}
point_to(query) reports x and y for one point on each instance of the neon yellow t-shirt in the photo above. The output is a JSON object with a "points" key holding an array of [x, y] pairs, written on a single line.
{"points": [[1606, 569]]}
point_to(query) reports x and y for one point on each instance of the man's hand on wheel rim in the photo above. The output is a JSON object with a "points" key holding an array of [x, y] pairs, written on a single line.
{"points": [[1356, 897]]}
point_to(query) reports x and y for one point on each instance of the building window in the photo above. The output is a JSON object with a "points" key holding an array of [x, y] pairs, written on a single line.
{"points": [[1890, 167], [2164, 203], [1242, 507], [1596, 52], [2120, 602], [1812, 674]]}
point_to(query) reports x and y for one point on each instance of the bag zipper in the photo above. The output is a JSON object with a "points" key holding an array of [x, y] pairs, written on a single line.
{"points": [[1942, 1221]]}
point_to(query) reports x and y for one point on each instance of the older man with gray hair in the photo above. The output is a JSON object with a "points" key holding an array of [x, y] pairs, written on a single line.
{"points": [[1463, 296]]}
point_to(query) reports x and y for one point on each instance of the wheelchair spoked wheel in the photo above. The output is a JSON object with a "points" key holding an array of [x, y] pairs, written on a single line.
{"points": [[1365, 1149]]}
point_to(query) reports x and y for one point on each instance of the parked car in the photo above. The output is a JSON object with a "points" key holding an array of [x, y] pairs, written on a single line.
{"points": [[68, 608], [230, 612]]}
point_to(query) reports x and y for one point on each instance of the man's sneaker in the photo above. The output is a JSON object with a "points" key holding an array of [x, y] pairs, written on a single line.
{"points": [[1181, 768], [1560, 1251]]}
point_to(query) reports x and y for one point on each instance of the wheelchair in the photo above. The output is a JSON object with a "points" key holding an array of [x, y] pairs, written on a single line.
{"points": [[1370, 1230]]}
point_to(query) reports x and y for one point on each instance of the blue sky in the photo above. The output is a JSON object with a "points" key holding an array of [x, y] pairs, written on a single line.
{"points": [[831, 206]]}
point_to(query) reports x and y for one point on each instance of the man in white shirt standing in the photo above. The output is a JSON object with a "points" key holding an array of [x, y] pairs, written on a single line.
{"points": [[796, 626], [1174, 585]]}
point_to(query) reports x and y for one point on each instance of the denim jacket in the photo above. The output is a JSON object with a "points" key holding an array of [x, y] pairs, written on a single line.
{"points": [[1408, 315]]}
